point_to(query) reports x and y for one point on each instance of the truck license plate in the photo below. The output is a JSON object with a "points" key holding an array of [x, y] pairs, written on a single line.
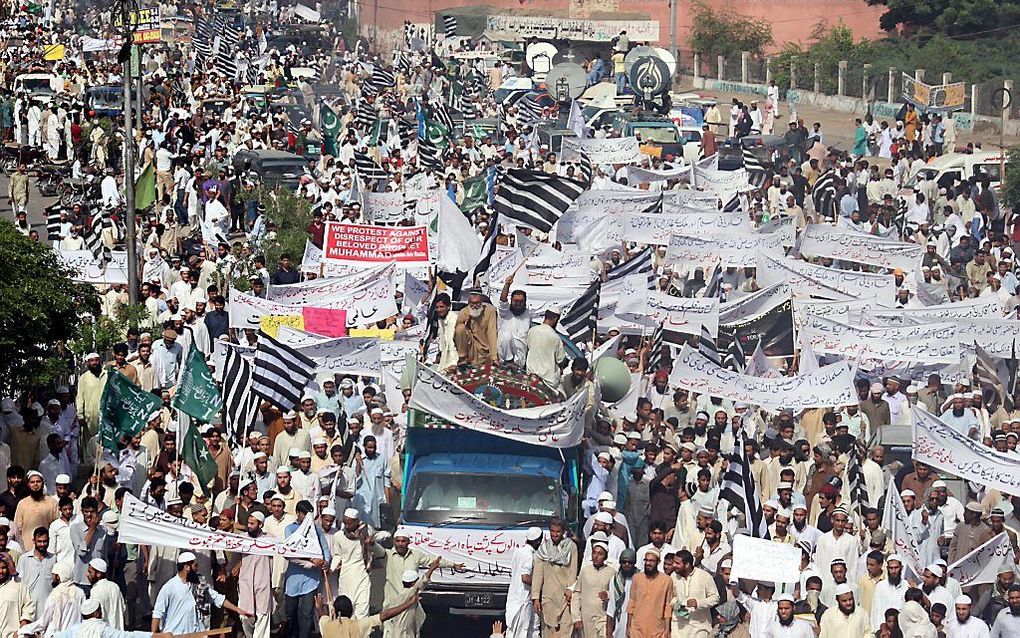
{"points": [[478, 600]]}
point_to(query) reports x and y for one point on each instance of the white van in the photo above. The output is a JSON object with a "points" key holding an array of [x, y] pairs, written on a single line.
{"points": [[958, 167], [40, 86]]}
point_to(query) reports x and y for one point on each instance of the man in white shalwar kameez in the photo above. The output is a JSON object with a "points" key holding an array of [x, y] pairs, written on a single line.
{"points": [[106, 593], [521, 620], [63, 605], [545, 350], [353, 550]]}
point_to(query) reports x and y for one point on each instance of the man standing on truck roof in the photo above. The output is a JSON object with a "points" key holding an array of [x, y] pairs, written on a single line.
{"points": [[521, 619], [555, 570]]}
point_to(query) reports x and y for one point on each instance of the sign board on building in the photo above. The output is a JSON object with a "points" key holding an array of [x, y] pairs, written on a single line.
{"points": [[145, 24], [548, 28], [937, 97]]}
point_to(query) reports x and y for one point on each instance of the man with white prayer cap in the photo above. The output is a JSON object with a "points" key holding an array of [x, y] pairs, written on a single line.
{"points": [[107, 594], [176, 609], [399, 560], [846, 618], [962, 624], [786, 624], [521, 620], [409, 623], [254, 582], [932, 588], [62, 608], [353, 550]]}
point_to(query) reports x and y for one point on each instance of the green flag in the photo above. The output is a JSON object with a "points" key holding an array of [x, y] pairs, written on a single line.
{"points": [[436, 133], [145, 188], [196, 454], [197, 394], [124, 409], [475, 193], [329, 123]]}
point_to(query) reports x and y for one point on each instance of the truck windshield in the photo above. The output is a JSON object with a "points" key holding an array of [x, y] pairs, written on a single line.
{"points": [[36, 84], [492, 498], [660, 134]]}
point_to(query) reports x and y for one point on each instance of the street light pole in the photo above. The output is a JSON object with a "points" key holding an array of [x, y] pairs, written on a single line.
{"points": [[129, 174]]}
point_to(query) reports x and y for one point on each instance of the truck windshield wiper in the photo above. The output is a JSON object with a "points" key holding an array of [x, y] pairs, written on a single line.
{"points": [[528, 522], [457, 519]]}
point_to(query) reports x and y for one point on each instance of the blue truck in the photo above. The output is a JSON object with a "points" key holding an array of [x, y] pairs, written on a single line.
{"points": [[470, 497]]}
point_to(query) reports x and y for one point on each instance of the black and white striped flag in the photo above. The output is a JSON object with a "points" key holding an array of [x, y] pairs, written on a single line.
{"points": [[733, 205], [824, 194], [535, 199], [580, 320], [639, 263], [381, 78], [240, 405], [369, 171], [655, 357], [366, 116], [53, 222], [441, 114], [529, 111], [430, 156], [585, 169], [94, 240], [202, 41], [756, 171], [488, 249], [855, 480], [707, 347], [735, 359], [280, 373], [739, 489], [450, 26]]}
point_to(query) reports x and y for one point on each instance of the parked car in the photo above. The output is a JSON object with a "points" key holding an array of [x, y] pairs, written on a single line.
{"points": [[274, 168]]}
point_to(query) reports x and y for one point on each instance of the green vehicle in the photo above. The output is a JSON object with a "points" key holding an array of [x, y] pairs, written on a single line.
{"points": [[660, 136]]}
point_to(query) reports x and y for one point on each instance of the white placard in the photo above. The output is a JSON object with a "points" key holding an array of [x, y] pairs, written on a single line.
{"points": [[827, 241], [764, 560]]}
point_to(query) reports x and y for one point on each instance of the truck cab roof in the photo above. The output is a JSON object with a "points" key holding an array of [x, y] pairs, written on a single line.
{"points": [[478, 463]]}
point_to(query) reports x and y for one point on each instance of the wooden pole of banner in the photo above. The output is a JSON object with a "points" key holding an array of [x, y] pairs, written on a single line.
{"points": [[329, 593], [226, 631]]}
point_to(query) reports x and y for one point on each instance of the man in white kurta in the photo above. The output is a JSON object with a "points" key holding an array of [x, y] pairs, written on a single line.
{"points": [[696, 591], [588, 602], [889, 592], [834, 544], [62, 608], [545, 350], [15, 603], [521, 620], [106, 593], [353, 550]]}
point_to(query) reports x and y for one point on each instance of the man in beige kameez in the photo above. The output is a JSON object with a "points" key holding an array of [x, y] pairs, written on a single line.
{"points": [[408, 623], [15, 603], [475, 332], [696, 591], [651, 600], [555, 569], [591, 593], [254, 584]]}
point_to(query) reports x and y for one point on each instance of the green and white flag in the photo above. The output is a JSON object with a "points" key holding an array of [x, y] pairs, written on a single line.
{"points": [[197, 394], [124, 409], [196, 454], [476, 193], [329, 121], [436, 134]]}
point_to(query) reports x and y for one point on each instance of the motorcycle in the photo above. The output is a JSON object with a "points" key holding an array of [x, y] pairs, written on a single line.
{"points": [[15, 154], [50, 177], [73, 190]]}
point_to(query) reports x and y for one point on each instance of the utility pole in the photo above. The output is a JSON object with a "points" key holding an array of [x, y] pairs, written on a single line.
{"points": [[129, 169], [138, 98], [672, 34]]}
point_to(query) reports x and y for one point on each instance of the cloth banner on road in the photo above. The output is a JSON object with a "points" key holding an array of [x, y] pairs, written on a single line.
{"points": [[638, 175], [762, 559], [827, 386], [486, 555], [326, 290], [385, 208], [141, 523], [86, 268], [905, 543], [928, 343], [610, 150], [846, 311], [361, 244], [982, 565], [725, 184], [829, 283], [821, 240], [595, 205], [977, 308], [347, 355], [558, 268], [657, 228], [559, 425], [996, 336], [676, 314], [942, 447], [736, 250]]}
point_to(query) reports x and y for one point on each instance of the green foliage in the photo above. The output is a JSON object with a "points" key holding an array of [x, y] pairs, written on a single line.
{"points": [[100, 333], [292, 215], [727, 33], [963, 18], [1011, 186], [40, 312], [826, 48]]}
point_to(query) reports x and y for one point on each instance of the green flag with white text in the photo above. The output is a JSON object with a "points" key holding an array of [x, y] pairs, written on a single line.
{"points": [[198, 457], [476, 193], [197, 394], [124, 409]]}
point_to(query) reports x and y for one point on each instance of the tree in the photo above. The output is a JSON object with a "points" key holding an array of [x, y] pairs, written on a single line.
{"points": [[291, 215], [40, 312], [950, 17], [727, 33], [1011, 184]]}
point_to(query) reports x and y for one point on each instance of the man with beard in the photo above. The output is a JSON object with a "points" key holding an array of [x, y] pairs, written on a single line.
{"points": [[475, 332], [650, 607], [35, 510], [16, 605], [402, 558], [514, 323], [90, 391], [106, 593], [1007, 623], [35, 568], [521, 621], [960, 417], [932, 587], [786, 625], [555, 569], [185, 601], [619, 594], [696, 592], [963, 625], [846, 619], [969, 535], [446, 325], [352, 554]]}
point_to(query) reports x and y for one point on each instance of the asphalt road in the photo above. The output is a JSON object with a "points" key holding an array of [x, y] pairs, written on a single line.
{"points": [[36, 205]]}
